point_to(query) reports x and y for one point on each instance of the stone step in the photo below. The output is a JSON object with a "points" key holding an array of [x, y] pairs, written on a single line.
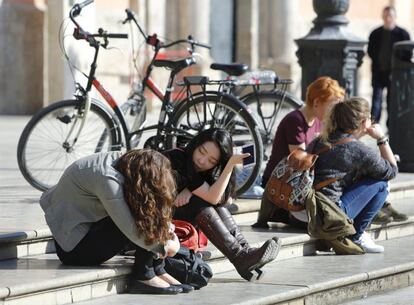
{"points": [[403, 296], [23, 230], [315, 279], [15, 244]]}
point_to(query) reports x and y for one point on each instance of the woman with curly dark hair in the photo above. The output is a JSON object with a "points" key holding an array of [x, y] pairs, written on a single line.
{"points": [[108, 201]]}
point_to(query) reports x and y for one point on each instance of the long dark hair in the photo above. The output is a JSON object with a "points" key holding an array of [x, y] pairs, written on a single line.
{"points": [[224, 142], [149, 190]]}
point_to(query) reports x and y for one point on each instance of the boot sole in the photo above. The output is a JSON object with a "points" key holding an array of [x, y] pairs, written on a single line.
{"points": [[270, 254]]}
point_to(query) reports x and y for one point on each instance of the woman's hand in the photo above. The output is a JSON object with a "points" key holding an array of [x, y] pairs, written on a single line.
{"points": [[173, 246], [183, 198], [375, 131], [238, 159]]}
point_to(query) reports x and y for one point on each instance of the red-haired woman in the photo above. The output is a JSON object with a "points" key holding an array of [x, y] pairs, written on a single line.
{"points": [[296, 130], [108, 201]]}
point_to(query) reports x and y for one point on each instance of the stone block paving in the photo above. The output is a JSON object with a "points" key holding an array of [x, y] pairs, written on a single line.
{"points": [[315, 279]]}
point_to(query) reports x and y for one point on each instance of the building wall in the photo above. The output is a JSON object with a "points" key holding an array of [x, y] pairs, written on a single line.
{"points": [[34, 73]]}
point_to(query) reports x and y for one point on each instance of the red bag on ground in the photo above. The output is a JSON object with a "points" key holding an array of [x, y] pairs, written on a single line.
{"points": [[189, 236]]}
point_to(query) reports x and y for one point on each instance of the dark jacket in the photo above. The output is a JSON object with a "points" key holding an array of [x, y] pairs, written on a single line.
{"points": [[374, 44]]}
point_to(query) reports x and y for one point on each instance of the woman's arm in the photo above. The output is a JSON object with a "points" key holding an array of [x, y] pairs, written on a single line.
{"points": [[376, 132], [213, 193]]}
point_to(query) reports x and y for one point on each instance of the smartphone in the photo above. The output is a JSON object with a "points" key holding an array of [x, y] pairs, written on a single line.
{"points": [[249, 148]]}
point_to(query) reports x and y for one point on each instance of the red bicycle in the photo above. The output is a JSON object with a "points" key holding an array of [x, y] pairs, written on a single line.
{"points": [[68, 130]]}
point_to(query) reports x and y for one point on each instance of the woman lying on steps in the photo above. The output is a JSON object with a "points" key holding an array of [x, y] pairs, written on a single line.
{"points": [[205, 182], [108, 201], [362, 172]]}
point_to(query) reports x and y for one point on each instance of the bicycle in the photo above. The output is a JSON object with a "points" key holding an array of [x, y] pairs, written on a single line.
{"points": [[74, 128], [267, 97]]}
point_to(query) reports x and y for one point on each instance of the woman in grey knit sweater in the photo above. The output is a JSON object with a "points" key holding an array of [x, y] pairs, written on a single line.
{"points": [[362, 172]]}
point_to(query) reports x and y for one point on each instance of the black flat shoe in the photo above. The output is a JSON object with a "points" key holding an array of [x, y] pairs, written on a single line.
{"points": [[137, 287], [186, 288]]}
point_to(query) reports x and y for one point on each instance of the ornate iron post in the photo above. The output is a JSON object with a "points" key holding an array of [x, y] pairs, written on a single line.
{"points": [[330, 48]]}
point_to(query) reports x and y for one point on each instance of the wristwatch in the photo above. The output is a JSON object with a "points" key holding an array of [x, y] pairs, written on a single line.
{"points": [[383, 140]]}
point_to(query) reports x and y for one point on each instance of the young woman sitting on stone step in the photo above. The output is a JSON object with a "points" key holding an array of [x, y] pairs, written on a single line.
{"points": [[296, 130], [205, 183], [362, 172], [106, 202]]}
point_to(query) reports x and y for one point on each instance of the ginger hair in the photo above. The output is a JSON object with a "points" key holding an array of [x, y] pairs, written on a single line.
{"points": [[323, 89]]}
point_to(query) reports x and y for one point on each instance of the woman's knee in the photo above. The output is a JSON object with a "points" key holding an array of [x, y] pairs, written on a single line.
{"points": [[382, 185]]}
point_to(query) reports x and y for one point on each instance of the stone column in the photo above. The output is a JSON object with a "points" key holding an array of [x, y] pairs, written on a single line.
{"points": [[330, 48], [21, 56], [276, 35], [156, 17], [55, 80], [247, 32], [60, 80]]}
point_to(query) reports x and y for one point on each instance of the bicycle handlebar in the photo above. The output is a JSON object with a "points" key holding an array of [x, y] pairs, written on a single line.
{"points": [[189, 40], [80, 33], [85, 3], [155, 42], [104, 34]]}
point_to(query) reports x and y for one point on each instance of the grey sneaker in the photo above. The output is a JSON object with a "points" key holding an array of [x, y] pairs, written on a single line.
{"points": [[390, 211], [382, 218]]}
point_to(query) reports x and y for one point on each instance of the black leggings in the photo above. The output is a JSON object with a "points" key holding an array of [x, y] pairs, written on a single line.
{"points": [[103, 241], [189, 211]]}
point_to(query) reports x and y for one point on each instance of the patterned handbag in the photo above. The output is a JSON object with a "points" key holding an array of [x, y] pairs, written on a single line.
{"points": [[292, 179]]}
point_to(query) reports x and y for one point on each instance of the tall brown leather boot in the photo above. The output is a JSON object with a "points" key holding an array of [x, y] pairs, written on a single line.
{"points": [[245, 261], [231, 225]]}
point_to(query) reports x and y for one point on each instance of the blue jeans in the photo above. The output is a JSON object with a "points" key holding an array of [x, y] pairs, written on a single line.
{"points": [[380, 81], [362, 201]]}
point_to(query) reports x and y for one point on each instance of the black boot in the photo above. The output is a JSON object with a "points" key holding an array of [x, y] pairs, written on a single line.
{"points": [[269, 212], [245, 261]]}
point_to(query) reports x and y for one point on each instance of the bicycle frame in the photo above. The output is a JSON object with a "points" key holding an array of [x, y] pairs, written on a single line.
{"points": [[147, 82]]}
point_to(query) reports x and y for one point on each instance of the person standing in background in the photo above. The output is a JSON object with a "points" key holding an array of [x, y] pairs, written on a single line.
{"points": [[380, 44]]}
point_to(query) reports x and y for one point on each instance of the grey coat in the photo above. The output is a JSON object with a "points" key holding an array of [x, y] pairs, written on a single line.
{"points": [[90, 190], [349, 162]]}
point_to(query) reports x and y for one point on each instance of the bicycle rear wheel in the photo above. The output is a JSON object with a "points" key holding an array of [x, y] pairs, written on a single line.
{"points": [[44, 149], [222, 111], [269, 108]]}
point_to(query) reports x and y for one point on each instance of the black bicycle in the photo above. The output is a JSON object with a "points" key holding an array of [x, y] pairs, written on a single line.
{"points": [[263, 92]]}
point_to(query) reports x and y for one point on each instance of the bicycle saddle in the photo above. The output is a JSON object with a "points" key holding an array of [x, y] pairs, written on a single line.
{"points": [[175, 65], [231, 69]]}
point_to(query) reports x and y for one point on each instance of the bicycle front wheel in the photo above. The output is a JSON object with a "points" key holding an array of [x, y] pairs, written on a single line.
{"points": [[219, 111], [269, 108], [50, 142]]}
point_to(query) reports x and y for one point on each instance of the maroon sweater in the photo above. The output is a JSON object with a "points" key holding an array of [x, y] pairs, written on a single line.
{"points": [[292, 130]]}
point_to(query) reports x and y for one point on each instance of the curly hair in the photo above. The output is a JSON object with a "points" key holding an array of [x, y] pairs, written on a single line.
{"points": [[149, 190]]}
